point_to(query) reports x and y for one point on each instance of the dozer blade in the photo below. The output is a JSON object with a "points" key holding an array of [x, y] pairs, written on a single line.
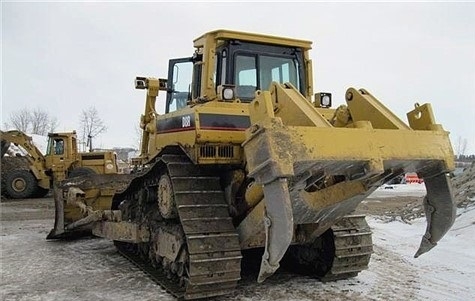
{"points": [[79, 200], [440, 211]]}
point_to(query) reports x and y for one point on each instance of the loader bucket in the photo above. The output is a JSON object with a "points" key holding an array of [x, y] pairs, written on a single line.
{"points": [[4, 147]]}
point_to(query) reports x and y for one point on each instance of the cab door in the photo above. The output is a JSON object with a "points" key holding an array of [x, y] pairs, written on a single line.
{"points": [[55, 154], [180, 73]]}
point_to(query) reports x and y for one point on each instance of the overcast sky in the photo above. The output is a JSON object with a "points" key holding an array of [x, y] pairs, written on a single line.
{"points": [[66, 57]]}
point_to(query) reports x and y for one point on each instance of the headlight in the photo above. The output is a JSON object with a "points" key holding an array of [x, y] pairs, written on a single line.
{"points": [[226, 92], [140, 82], [323, 100]]}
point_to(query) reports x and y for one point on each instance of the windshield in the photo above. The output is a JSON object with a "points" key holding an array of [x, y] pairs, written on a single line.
{"points": [[256, 72], [49, 150]]}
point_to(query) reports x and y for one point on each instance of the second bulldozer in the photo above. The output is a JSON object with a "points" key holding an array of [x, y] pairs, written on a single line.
{"points": [[246, 157], [33, 174]]}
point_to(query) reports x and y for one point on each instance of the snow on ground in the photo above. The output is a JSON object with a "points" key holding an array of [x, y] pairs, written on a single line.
{"points": [[35, 269], [88, 269], [399, 190], [444, 273]]}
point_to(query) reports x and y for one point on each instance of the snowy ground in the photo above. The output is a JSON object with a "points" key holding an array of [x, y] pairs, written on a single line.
{"points": [[90, 269], [445, 273], [399, 190]]}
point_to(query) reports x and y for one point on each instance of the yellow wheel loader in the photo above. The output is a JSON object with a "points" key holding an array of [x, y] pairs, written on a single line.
{"points": [[62, 160], [247, 160]]}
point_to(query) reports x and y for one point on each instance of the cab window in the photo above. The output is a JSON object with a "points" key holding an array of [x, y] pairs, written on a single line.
{"points": [[179, 81], [245, 76], [257, 72], [55, 146]]}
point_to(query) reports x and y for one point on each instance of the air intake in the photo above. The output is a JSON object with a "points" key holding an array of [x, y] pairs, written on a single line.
{"points": [[217, 151]]}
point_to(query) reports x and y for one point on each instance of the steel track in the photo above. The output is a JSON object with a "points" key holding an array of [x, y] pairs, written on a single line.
{"points": [[353, 248], [214, 256]]}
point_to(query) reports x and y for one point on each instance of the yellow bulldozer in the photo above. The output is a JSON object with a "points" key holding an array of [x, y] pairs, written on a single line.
{"points": [[248, 160], [62, 160]]}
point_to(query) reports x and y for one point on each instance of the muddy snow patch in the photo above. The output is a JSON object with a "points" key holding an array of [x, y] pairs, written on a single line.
{"points": [[444, 273]]}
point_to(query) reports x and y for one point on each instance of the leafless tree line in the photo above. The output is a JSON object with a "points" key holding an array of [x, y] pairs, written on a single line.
{"points": [[38, 121], [33, 121]]}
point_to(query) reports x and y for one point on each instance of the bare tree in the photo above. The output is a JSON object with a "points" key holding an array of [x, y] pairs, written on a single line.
{"points": [[91, 125], [461, 146], [20, 120], [39, 122], [36, 121], [53, 124]]}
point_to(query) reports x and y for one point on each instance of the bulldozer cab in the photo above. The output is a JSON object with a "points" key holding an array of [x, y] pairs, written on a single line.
{"points": [[235, 61], [252, 66], [62, 157], [61, 152]]}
